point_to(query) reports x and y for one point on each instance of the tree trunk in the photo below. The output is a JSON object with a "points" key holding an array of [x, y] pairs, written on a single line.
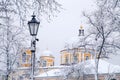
{"points": [[96, 69]]}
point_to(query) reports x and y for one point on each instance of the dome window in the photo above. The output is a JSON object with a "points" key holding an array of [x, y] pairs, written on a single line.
{"points": [[24, 57], [86, 58]]}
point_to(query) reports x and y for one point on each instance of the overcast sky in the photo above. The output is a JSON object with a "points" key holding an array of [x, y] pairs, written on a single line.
{"points": [[53, 35]]}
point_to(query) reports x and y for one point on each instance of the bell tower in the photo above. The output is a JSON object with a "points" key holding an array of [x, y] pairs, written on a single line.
{"points": [[81, 31]]}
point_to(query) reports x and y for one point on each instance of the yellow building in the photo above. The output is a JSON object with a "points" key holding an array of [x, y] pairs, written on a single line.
{"points": [[75, 50], [23, 70], [46, 59], [25, 58], [75, 55]]}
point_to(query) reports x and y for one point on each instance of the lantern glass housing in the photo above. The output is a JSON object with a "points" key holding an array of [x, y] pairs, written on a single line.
{"points": [[33, 26]]}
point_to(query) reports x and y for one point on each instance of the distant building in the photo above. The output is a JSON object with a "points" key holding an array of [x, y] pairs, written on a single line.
{"points": [[25, 58], [24, 66], [46, 59], [76, 51], [74, 56]]}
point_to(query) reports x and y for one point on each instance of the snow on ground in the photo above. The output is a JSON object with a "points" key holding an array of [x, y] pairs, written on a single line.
{"points": [[114, 59], [104, 67], [51, 73]]}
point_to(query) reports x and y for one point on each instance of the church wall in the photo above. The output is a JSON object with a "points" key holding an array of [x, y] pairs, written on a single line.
{"points": [[26, 62], [75, 55], [87, 55], [65, 57], [49, 61]]}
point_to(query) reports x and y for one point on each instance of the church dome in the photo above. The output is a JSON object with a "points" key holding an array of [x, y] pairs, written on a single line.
{"points": [[47, 53]]}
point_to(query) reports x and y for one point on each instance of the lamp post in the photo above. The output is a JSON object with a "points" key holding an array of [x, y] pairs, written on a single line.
{"points": [[33, 28]]}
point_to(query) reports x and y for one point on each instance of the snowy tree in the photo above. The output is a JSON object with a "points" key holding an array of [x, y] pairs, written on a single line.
{"points": [[13, 37], [105, 30], [77, 71]]}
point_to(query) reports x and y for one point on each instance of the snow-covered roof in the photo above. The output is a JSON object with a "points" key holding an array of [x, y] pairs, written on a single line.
{"points": [[51, 73], [54, 67], [104, 67], [23, 68], [47, 53]]}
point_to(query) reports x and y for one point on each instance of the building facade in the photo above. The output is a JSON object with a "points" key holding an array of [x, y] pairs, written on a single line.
{"points": [[25, 58], [23, 70], [46, 59], [76, 51], [75, 55]]}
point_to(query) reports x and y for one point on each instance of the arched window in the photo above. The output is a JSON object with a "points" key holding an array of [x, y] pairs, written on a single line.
{"points": [[28, 58], [44, 63], [66, 60], [75, 58], [53, 63], [24, 57], [86, 58]]}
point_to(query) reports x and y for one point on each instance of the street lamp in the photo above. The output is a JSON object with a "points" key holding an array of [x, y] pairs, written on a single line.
{"points": [[33, 28]]}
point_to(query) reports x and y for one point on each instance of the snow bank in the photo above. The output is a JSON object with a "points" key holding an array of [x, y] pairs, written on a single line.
{"points": [[88, 67]]}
